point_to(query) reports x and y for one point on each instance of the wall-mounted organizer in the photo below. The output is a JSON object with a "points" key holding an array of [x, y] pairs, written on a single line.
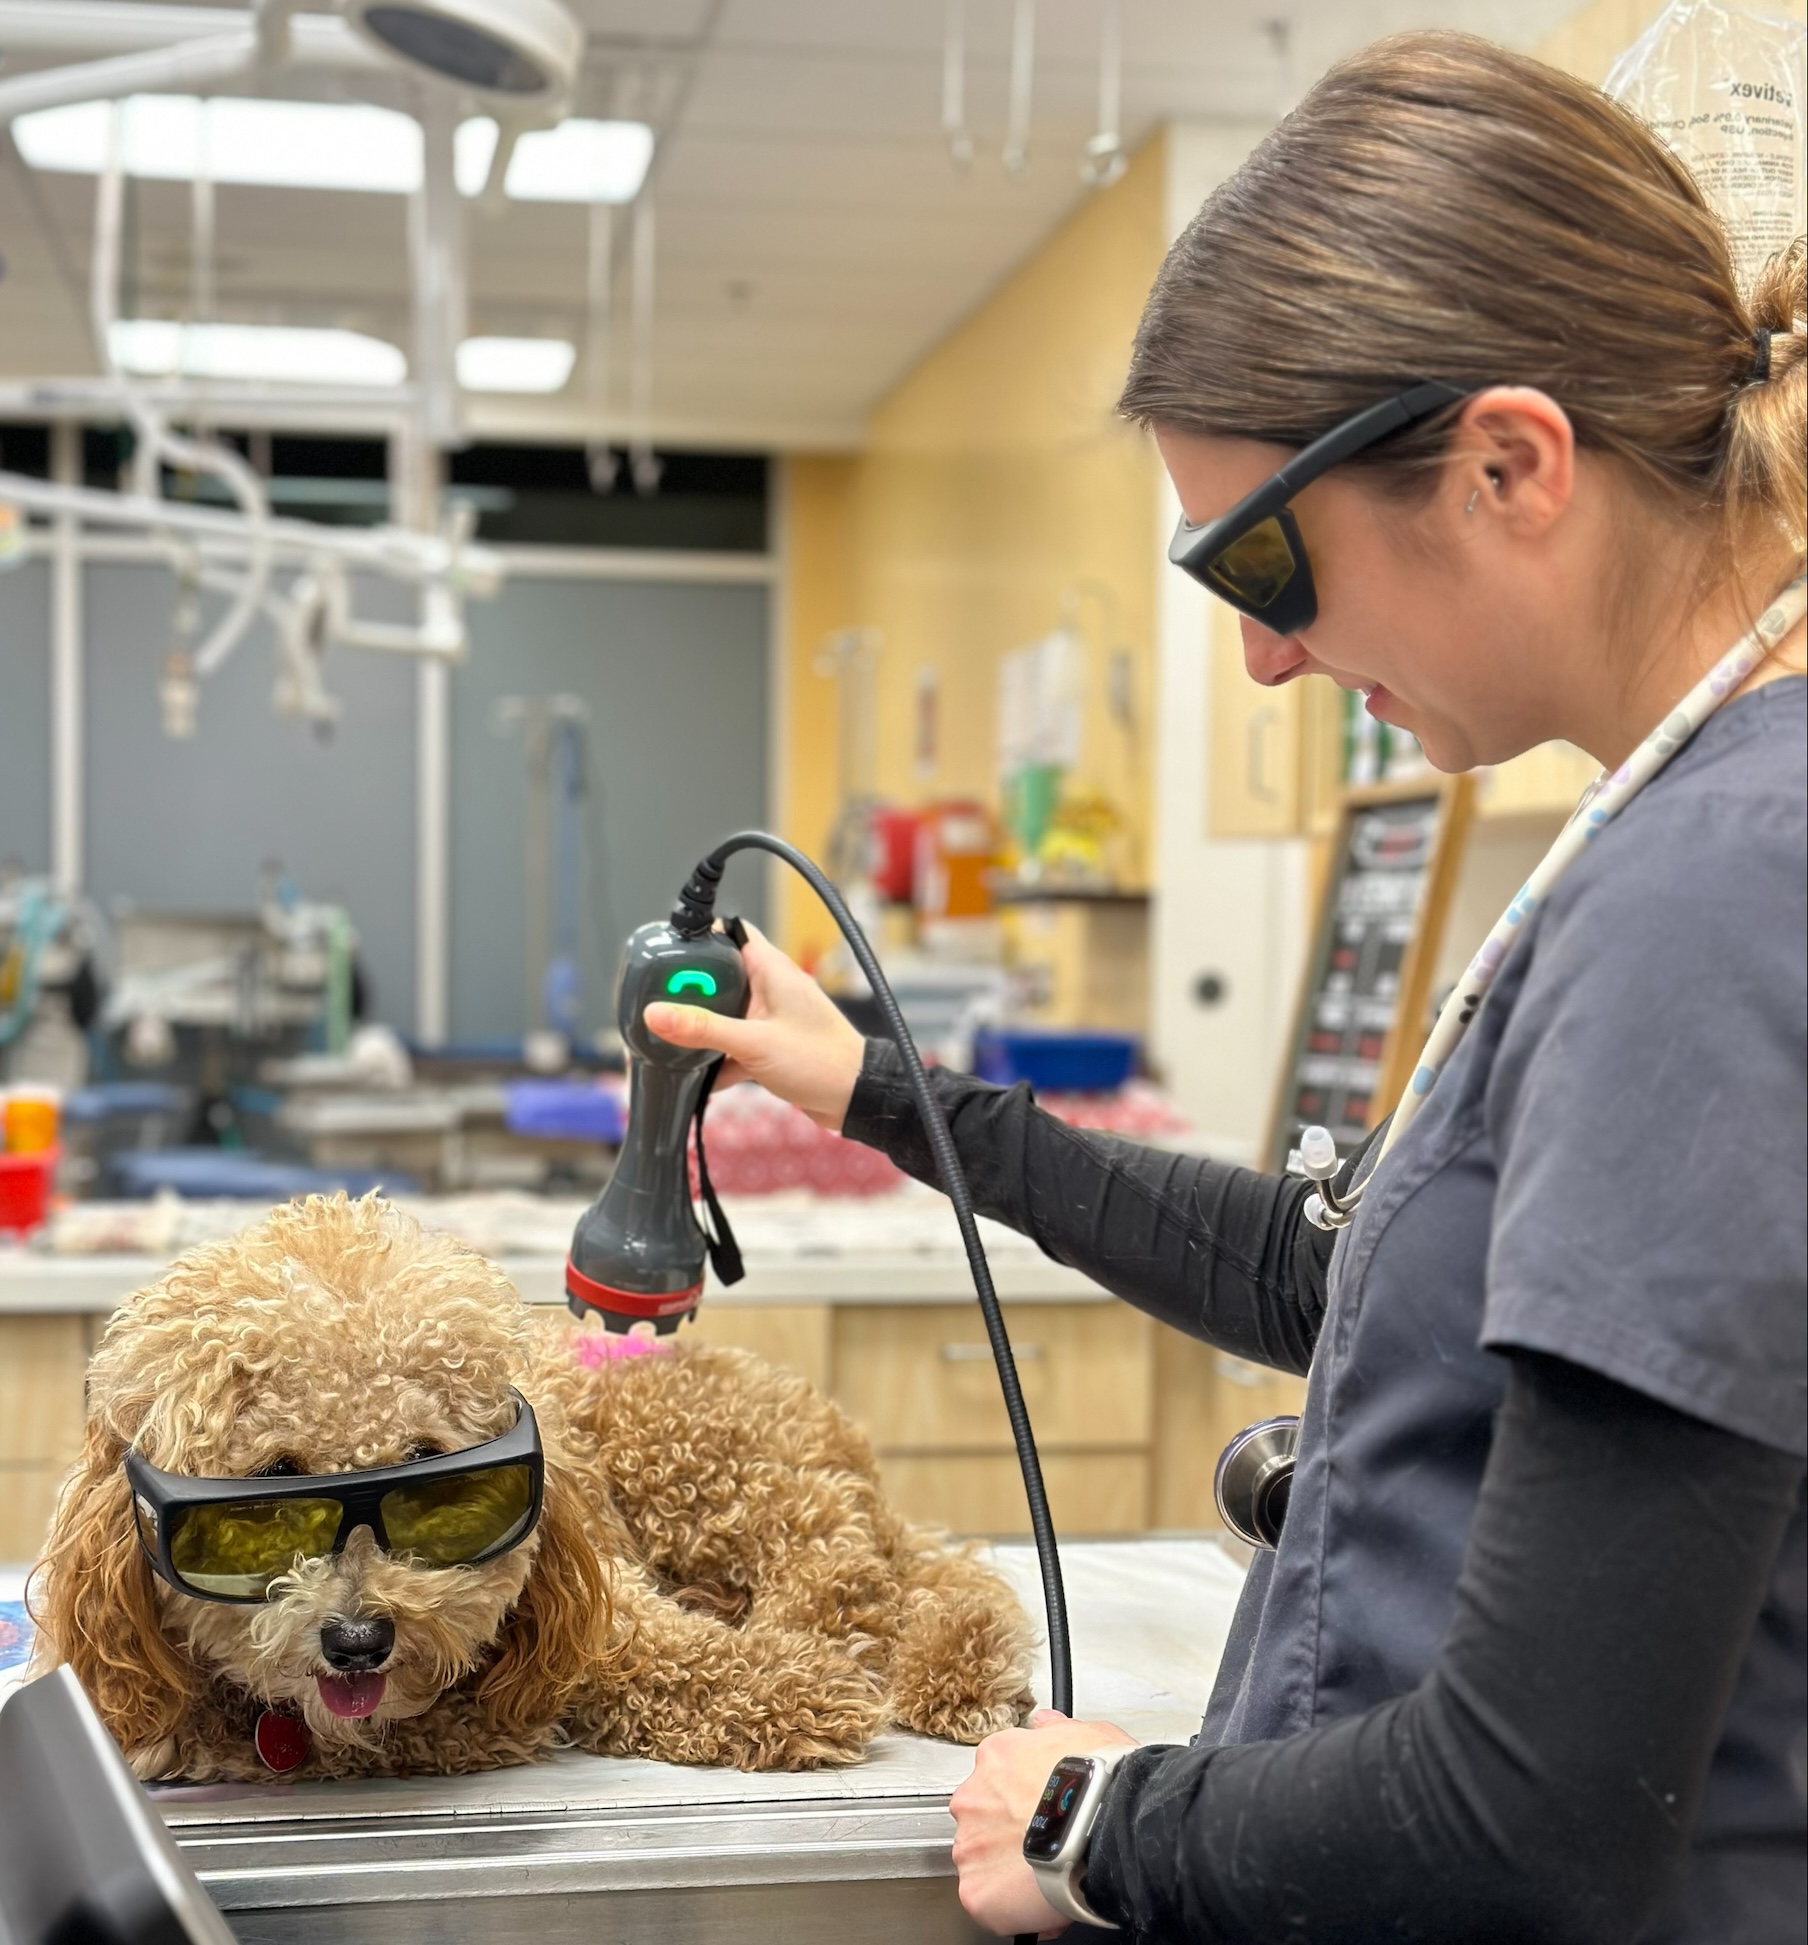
{"points": [[1365, 1005]]}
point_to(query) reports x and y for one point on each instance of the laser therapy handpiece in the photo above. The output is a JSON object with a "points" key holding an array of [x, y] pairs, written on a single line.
{"points": [[638, 1252]]}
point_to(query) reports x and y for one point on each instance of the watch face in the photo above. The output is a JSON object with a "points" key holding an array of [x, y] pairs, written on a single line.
{"points": [[1054, 1815]]}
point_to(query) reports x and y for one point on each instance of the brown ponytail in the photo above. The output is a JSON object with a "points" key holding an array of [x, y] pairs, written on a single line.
{"points": [[1437, 207], [1767, 450]]}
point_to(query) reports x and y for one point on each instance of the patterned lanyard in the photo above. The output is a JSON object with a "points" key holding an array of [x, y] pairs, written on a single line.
{"points": [[1605, 799]]}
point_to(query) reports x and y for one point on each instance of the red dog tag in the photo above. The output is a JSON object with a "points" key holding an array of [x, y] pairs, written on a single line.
{"points": [[282, 1741]]}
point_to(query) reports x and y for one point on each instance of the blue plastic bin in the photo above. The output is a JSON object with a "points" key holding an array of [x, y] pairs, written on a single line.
{"points": [[237, 1175], [1054, 1061], [565, 1111]]}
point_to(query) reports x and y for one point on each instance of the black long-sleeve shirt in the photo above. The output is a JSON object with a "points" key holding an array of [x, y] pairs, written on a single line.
{"points": [[1217, 1251], [1541, 1781]]}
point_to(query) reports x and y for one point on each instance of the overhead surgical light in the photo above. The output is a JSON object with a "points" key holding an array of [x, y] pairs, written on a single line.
{"points": [[253, 353], [514, 49], [515, 364], [580, 161], [279, 144]]}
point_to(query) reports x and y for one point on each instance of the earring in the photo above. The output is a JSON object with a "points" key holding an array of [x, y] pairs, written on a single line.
{"points": [[1473, 497]]}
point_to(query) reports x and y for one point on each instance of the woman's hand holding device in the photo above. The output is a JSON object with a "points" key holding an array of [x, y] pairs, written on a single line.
{"points": [[795, 1041]]}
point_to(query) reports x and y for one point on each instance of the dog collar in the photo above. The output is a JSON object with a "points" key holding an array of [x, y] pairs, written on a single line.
{"points": [[283, 1742]]}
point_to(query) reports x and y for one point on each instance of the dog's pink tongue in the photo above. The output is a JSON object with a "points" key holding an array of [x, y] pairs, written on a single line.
{"points": [[352, 1695]]}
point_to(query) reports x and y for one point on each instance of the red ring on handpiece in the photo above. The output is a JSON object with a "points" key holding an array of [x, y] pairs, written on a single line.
{"points": [[633, 1303]]}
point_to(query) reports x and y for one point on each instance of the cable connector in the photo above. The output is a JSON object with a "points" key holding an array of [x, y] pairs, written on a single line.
{"points": [[695, 911]]}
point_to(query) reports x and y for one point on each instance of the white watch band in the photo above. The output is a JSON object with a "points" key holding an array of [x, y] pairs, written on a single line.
{"points": [[1059, 1888], [1059, 1878]]}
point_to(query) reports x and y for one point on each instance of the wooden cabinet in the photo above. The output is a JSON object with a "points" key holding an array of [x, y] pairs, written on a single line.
{"points": [[920, 1379], [796, 1335], [42, 1360], [1275, 756], [1203, 1398], [1253, 764], [1083, 956], [920, 1376], [1544, 781], [1089, 1493]]}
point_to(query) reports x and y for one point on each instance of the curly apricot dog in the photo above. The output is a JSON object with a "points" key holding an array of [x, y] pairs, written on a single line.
{"points": [[714, 1577]]}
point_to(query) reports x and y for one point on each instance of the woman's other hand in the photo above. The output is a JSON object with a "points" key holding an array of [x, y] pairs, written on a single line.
{"points": [[795, 1041], [992, 1809]]}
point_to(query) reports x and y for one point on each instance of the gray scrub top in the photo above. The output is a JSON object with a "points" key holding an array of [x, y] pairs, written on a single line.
{"points": [[1611, 1170]]}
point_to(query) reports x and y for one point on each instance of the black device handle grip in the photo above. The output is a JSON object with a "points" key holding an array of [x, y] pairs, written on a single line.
{"points": [[694, 915]]}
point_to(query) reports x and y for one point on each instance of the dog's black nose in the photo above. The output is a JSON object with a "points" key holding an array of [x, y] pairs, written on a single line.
{"points": [[359, 1644]]}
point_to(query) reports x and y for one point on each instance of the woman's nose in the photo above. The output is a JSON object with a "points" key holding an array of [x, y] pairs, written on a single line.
{"points": [[1271, 659]]}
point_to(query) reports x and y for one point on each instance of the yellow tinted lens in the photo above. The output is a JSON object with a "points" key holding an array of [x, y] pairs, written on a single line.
{"points": [[1255, 568], [446, 1522], [239, 1548]]}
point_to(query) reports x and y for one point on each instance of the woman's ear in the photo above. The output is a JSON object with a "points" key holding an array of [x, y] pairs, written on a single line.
{"points": [[95, 1606], [1514, 450], [557, 1632]]}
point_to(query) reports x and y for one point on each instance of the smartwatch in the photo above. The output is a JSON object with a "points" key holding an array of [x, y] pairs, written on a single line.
{"points": [[1060, 1832]]}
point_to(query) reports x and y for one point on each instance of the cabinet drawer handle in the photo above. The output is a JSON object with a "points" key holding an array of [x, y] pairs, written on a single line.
{"points": [[982, 1353], [1260, 722], [1237, 1371]]}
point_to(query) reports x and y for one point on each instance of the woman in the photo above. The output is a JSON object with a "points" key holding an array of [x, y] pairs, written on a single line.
{"points": [[1528, 1662]]}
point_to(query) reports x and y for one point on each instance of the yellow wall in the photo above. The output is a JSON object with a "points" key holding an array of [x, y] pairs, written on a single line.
{"points": [[996, 484], [817, 542], [1592, 39]]}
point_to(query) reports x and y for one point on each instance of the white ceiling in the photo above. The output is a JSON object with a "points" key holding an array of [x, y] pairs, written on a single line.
{"points": [[814, 237]]}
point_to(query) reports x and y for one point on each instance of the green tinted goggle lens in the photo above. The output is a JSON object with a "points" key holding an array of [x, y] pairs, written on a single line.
{"points": [[239, 1548], [446, 1522], [1256, 566]]}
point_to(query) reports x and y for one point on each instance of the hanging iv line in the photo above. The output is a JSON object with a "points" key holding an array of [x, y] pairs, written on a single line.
{"points": [[1023, 77], [954, 86]]}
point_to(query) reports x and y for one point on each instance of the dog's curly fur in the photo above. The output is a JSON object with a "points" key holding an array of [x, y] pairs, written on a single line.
{"points": [[715, 1578]]}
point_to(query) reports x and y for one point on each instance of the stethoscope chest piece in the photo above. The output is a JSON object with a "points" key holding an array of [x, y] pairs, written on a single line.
{"points": [[1255, 1479]]}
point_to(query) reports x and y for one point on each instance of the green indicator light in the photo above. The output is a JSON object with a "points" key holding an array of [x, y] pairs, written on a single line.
{"points": [[691, 979]]}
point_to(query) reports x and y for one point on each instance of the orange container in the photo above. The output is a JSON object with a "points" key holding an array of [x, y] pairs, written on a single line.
{"points": [[29, 1119], [957, 852]]}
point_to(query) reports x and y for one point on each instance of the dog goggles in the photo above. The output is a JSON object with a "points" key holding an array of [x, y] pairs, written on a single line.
{"points": [[1253, 556], [229, 1539]]}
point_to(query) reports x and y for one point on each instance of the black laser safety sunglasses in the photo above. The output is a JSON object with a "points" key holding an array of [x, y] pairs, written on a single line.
{"points": [[1253, 556], [228, 1539]]}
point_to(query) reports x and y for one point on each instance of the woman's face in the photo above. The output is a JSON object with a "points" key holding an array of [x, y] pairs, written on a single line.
{"points": [[1417, 607]]}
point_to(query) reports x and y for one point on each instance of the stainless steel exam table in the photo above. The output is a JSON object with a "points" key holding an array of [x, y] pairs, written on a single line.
{"points": [[591, 1850]]}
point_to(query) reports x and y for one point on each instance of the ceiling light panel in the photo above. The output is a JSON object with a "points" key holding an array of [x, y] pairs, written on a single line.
{"points": [[277, 144], [580, 161], [254, 353], [515, 364]]}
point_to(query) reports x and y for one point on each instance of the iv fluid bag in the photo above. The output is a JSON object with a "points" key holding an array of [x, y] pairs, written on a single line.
{"points": [[1723, 86]]}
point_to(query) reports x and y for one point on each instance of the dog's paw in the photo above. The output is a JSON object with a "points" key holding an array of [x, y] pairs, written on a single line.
{"points": [[818, 1708], [155, 1760], [954, 1719], [958, 1671]]}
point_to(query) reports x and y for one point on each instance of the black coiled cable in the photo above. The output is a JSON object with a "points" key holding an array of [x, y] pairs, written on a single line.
{"points": [[694, 915]]}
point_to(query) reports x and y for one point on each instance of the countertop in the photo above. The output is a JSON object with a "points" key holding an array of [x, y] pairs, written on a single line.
{"points": [[901, 1247]]}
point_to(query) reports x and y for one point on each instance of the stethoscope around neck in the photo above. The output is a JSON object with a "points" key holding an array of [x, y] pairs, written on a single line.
{"points": [[1254, 1477]]}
